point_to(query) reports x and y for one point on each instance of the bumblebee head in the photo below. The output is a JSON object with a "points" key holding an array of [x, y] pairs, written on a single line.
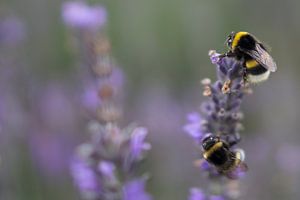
{"points": [[209, 141], [230, 38]]}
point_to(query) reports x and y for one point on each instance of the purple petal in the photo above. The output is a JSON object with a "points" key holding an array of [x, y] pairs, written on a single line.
{"points": [[135, 190], [107, 168], [193, 127], [137, 142], [216, 197], [77, 14], [193, 117], [84, 176], [196, 194]]}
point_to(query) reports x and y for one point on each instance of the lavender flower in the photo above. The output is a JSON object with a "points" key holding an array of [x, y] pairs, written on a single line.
{"points": [[220, 116], [85, 178], [196, 194], [135, 190], [138, 144], [77, 14], [216, 197], [193, 127], [106, 168]]}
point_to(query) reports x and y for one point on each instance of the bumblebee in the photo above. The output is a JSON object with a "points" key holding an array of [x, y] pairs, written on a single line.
{"points": [[257, 62], [227, 162]]}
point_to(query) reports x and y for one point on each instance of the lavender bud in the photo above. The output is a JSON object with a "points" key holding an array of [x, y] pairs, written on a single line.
{"points": [[77, 14]]}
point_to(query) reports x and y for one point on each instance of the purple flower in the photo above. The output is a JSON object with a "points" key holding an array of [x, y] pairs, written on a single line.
{"points": [[216, 197], [115, 81], [196, 194], [137, 142], [193, 126], [90, 98], [85, 177], [77, 14], [107, 168], [12, 31], [135, 190], [220, 117], [204, 165], [214, 57]]}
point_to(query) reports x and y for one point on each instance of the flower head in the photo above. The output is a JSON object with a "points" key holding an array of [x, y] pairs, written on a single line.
{"points": [[220, 117], [77, 14]]}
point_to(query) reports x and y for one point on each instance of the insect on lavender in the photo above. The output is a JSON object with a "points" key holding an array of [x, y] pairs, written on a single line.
{"points": [[216, 128]]}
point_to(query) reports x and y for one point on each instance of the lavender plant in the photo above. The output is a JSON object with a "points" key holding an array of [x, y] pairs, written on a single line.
{"points": [[220, 117], [105, 167]]}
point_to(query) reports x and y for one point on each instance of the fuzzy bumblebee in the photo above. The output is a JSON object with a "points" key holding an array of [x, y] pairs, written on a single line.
{"points": [[217, 152], [257, 62]]}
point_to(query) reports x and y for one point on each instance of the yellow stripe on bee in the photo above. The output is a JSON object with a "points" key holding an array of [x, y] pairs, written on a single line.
{"points": [[237, 38], [251, 64], [212, 149], [238, 159]]}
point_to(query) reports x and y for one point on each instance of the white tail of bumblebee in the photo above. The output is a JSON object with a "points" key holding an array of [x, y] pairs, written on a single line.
{"points": [[240, 154]]}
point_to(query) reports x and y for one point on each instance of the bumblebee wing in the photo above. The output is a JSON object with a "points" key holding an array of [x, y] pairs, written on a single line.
{"points": [[262, 57]]}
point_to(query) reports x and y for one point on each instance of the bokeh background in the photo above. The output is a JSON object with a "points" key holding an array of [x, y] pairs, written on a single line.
{"points": [[162, 47]]}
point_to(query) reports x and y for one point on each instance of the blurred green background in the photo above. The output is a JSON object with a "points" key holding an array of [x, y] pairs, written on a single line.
{"points": [[162, 47]]}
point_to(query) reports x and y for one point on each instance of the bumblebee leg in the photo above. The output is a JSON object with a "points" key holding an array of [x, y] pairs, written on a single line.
{"points": [[227, 54], [245, 77]]}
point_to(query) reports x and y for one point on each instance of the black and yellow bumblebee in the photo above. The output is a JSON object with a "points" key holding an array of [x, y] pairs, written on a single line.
{"points": [[227, 162], [257, 62]]}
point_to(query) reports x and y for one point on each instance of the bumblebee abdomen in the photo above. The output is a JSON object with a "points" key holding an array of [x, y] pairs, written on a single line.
{"points": [[255, 71], [218, 157], [253, 67]]}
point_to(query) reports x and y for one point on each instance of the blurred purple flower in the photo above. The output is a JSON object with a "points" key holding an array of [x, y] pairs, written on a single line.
{"points": [[214, 57], [135, 190], [216, 197], [193, 126], [196, 194], [112, 150], [90, 98], [93, 94], [107, 168], [12, 31], [84, 177], [204, 165], [137, 142], [77, 14]]}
